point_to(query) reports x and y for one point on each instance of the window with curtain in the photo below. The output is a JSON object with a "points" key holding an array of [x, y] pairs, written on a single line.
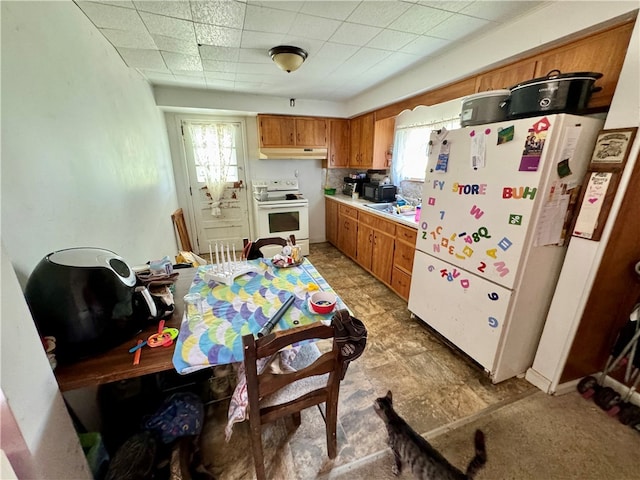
{"points": [[214, 151], [411, 149]]}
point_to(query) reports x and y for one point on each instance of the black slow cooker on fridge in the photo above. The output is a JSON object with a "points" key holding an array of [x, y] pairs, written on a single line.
{"points": [[87, 298], [555, 93], [484, 107]]}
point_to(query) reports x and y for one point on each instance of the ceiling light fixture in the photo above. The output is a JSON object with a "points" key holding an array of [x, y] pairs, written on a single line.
{"points": [[288, 58]]}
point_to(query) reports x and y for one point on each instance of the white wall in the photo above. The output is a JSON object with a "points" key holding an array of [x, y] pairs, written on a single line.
{"points": [[85, 162], [584, 256], [37, 433], [85, 157]]}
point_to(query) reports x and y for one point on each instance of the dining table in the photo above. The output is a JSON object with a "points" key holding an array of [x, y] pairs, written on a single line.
{"points": [[244, 306]]}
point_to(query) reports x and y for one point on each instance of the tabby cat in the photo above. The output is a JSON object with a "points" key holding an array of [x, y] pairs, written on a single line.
{"points": [[413, 450]]}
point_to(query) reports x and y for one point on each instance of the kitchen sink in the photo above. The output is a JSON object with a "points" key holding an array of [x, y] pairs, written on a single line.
{"points": [[381, 207], [389, 209]]}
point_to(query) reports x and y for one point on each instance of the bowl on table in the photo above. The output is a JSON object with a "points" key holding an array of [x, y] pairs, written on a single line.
{"points": [[323, 302]]}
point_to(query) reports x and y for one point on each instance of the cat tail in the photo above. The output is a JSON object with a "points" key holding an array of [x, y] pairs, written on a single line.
{"points": [[480, 459]]}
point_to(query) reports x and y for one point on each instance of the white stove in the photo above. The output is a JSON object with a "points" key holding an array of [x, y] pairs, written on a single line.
{"points": [[281, 210]]}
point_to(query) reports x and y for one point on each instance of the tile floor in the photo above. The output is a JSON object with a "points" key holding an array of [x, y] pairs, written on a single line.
{"points": [[530, 435], [432, 386]]}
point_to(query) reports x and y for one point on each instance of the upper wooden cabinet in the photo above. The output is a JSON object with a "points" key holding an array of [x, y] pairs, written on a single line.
{"points": [[338, 150], [506, 77], [361, 145], [383, 143], [603, 53], [285, 131]]}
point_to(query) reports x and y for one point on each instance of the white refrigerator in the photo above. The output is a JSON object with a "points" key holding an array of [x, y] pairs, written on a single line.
{"points": [[496, 206]]}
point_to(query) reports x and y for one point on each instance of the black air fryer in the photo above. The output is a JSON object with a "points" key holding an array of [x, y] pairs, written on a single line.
{"points": [[88, 300]]}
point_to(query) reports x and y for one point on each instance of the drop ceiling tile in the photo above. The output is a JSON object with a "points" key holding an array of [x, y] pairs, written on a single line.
{"points": [[137, 58], [309, 44], [335, 10], [255, 68], [260, 40], [218, 36], [419, 19], [168, 27], [262, 19], [450, 6], [218, 66], [116, 3], [254, 55], [129, 38], [392, 65], [338, 52], [313, 27], [287, 5], [210, 52], [424, 45], [227, 76], [497, 11], [353, 34], [457, 26], [175, 45], [226, 14], [391, 40], [109, 16], [178, 61], [176, 9], [365, 58], [377, 14]]}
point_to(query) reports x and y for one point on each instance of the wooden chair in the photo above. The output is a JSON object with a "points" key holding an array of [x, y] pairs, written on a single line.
{"points": [[181, 227], [276, 395], [251, 250]]}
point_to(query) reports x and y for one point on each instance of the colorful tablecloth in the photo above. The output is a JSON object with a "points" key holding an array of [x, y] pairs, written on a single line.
{"points": [[231, 311]]}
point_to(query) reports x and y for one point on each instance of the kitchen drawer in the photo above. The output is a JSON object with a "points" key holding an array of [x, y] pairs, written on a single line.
{"points": [[406, 234], [377, 223], [348, 211], [401, 283], [403, 256]]}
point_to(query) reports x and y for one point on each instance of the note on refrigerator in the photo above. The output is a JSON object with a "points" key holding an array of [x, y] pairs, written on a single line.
{"points": [[592, 202]]}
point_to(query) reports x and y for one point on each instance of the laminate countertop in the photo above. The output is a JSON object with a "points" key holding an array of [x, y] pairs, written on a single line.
{"points": [[408, 220]]}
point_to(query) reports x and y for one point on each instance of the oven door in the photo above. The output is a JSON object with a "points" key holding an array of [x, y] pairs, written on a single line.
{"points": [[282, 220]]}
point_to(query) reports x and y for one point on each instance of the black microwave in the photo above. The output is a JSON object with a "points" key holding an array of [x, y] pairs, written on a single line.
{"points": [[375, 192]]}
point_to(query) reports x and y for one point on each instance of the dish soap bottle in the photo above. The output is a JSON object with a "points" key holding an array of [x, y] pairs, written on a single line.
{"points": [[418, 210]]}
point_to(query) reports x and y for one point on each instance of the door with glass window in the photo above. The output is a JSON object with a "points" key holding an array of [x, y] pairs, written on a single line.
{"points": [[215, 165]]}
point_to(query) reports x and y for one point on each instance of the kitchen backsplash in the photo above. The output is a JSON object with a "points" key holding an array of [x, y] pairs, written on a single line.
{"points": [[409, 189]]}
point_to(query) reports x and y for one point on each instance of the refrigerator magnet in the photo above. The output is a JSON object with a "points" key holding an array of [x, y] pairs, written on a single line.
{"points": [[443, 157], [533, 146], [505, 135]]}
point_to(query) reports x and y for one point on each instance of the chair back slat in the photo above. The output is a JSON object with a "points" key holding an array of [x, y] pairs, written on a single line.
{"points": [[276, 341]]}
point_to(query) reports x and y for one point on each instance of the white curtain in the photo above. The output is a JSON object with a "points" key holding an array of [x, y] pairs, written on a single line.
{"points": [[411, 149], [213, 148]]}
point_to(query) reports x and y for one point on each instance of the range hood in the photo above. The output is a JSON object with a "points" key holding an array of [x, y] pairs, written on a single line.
{"points": [[294, 153]]}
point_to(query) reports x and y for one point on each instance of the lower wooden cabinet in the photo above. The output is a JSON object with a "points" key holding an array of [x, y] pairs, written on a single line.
{"points": [[401, 283], [376, 238], [348, 230], [331, 223], [405, 246]]}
